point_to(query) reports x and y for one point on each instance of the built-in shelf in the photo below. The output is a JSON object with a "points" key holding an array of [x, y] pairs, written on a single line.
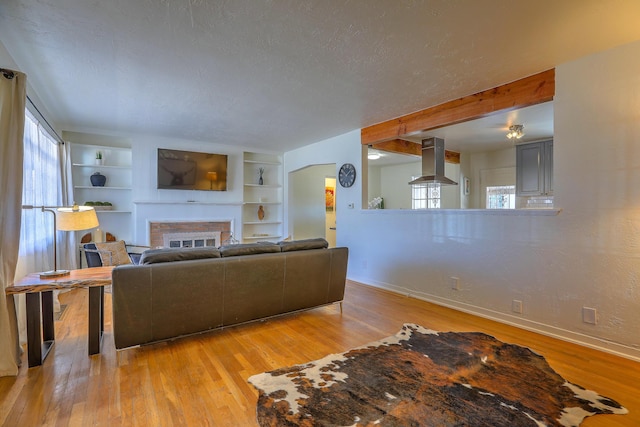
{"points": [[112, 212], [261, 222], [263, 162], [261, 203], [262, 187], [188, 202], [105, 187], [118, 170], [88, 165], [274, 236]]}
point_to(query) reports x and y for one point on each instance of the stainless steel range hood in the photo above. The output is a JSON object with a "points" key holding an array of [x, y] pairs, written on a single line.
{"points": [[433, 163]]}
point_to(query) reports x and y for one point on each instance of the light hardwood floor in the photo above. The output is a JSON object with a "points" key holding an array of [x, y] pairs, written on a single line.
{"points": [[202, 380]]}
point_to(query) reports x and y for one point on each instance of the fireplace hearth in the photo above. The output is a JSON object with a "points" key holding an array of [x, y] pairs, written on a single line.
{"points": [[182, 234]]}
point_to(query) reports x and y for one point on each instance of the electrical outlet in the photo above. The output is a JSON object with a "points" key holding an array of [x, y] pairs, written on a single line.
{"points": [[516, 306], [455, 283], [589, 315]]}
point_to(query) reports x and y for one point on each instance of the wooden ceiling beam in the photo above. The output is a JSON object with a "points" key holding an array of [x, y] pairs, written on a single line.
{"points": [[451, 156], [399, 146], [531, 90], [403, 146]]}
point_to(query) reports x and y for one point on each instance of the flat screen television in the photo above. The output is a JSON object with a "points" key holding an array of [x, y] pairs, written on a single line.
{"points": [[191, 170]]}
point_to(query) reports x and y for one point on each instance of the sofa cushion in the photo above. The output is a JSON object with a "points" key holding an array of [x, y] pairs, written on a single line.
{"points": [[155, 256], [301, 245], [249, 249], [113, 253]]}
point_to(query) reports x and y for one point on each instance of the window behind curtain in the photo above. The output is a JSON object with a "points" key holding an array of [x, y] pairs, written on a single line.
{"points": [[41, 187]]}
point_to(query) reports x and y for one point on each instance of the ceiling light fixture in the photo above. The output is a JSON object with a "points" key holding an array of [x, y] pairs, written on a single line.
{"points": [[515, 131], [373, 154]]}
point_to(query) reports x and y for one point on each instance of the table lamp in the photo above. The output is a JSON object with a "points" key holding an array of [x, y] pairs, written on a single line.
{"points": [[72, 218], [212, 176]]}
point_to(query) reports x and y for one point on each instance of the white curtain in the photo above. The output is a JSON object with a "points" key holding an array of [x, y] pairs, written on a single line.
{"points": [[44, 177], [67, 244], [12, 108], [47, 177], [41, 178]]}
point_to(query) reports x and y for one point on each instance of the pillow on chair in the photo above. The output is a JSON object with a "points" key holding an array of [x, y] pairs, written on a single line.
{"points": [[113, 253]]}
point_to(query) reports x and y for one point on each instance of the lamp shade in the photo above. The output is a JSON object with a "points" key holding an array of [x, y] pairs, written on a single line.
{"points": [[212, 176], [76, 218]]}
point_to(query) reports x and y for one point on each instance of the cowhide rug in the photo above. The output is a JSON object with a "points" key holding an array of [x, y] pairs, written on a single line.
{"points": [[420, 377]]}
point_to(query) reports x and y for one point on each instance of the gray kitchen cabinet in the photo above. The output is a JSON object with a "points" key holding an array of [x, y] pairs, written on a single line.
{"points": [[534, 169]]}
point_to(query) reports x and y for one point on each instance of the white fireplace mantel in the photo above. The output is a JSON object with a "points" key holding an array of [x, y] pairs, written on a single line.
{"points": [[186, 202]]}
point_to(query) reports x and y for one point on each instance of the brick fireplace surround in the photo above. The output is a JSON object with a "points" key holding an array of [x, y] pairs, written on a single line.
{"points": [[157, 229]]}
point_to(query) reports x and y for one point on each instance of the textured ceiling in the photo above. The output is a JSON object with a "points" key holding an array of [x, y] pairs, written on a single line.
{"points": [[280, 74]]}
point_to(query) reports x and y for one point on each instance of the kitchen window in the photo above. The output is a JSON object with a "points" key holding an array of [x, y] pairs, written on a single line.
{"points": [[501, 197], [425, 196]]}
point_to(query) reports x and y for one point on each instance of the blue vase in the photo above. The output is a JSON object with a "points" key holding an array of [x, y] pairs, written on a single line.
{"points": [[98, 180]]}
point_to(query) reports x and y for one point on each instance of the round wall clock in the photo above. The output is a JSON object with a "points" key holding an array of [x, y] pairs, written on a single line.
{"points": [[347, 175]]}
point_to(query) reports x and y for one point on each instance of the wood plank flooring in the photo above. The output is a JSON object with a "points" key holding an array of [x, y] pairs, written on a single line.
{"points": [[202, 380]]}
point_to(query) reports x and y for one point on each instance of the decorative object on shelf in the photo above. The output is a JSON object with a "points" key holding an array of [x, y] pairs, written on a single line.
{"points": [[98, 180], [212, 176], [515, 132], [260, 213], [98, 235], [347, 175], [376, 203], [98, 157], [260, 172], [66, 219], [100, 206]]}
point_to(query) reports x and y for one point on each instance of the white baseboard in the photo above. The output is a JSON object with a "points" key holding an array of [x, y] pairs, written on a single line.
{"points": [[529, 325]]}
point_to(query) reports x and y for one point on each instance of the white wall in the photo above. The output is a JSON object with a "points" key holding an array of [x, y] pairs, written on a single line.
{"points": [[394, 184], [338, 150], [307, 211], [587, 255], [478, 162], [374, 182]]}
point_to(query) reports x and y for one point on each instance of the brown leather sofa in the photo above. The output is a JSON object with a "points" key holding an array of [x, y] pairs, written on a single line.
{"points": [[174, 293]]}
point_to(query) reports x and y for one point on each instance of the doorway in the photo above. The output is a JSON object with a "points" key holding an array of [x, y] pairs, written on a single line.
{"points": [[312, 207]]}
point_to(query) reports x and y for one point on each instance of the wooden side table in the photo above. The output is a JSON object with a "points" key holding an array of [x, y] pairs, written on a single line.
{"points": [[39, 298]]}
